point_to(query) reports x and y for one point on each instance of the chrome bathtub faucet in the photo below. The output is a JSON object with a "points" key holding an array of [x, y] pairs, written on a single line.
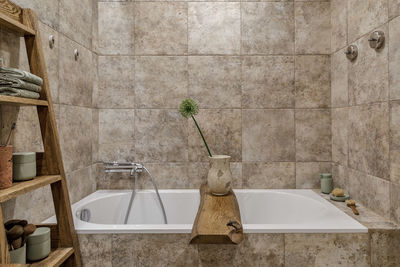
{"points": [[133, 168]]}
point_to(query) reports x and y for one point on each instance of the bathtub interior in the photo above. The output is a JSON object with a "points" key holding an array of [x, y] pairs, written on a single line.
{"points": [[264, 211]]}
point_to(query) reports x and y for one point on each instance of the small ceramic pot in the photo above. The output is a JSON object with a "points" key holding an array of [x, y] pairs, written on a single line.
{"points": [[18, 256], [24, 166], [220, 176]]}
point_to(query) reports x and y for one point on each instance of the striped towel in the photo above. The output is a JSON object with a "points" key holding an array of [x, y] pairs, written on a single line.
{"points": [[20, 74], [18, 83], [18, 92]]}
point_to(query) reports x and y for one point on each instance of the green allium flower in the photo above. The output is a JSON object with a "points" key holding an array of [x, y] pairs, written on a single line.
{"points": [[188, 108]]}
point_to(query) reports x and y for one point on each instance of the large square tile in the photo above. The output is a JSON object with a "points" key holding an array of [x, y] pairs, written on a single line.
{"points": [[222, 131], [313, 84], [313, 135], [268, 82], [160, 28], [116, 76], [214, 81], [369, 139], [271, 175], [160, 135], [160, 82], [268, 135], [214, 28], [313, 35], [267, 28]]}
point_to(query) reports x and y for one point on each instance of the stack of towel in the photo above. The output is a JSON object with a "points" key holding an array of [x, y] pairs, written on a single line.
{"points": [[15, 82]]}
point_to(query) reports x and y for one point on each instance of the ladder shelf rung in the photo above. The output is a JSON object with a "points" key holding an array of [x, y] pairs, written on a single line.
{"points": [[15, 26], [4, 99], [21, 188], [56, 257]]}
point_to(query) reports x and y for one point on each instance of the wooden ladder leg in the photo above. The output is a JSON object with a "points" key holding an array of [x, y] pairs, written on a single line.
{"points": [[5, 254], [51, 162]]}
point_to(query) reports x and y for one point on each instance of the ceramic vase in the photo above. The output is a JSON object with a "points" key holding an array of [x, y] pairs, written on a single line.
{"points": [[219, 176]]}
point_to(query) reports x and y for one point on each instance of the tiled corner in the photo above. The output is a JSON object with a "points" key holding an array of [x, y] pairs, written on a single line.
{"points": [[369, 139], [265, 137], [160, 28], [372, 191], [339, 79], [307, 174], [395, 202], [395, 142], [51, 56], [268, 82], [340, 176], [273, 175], [316, 250], [384, 247], [222, 129], [160, 82], [313, 135], [340, 125], [134, 250], [75, 136], [364, 16], [75, 88], [115, 26], [215, 81], [116, 82], [313, 82], [338, 24], [160, 135], [214, 28], [76, 20], [313, 35], [267, 28], [364, 89], [95, 249], [80, 184], [394, 58]]}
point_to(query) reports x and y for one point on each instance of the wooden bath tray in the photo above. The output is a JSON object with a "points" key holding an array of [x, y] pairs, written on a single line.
{"points": [[218, 219]]}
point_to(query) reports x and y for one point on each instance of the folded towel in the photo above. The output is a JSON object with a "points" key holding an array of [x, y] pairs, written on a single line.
{"points": [[18, 83], [20, 74], [18, 92]]}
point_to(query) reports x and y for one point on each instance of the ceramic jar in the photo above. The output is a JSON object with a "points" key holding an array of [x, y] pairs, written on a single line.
{"points": [[219, 176], [24, 166], [326, 183], [39, 244]]}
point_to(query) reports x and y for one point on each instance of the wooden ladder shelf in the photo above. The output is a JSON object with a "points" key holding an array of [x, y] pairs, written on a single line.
{"points": [[65, 247]]}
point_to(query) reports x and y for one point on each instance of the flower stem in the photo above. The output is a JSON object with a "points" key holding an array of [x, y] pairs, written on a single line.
{"points": [[202, 136]]}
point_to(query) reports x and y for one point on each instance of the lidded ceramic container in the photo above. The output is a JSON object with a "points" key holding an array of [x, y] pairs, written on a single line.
{"points": [[219, 177], [326, 183], [24, 166], [38, 244]]}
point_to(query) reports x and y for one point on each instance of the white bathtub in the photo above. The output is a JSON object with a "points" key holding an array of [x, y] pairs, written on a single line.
{"points": [[262, 211]]}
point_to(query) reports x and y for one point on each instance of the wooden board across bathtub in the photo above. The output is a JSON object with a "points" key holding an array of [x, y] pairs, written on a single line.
{"points": [[211, 225]]}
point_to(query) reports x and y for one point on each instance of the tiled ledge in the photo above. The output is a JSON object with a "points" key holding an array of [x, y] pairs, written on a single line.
{"points": [[368, 218]]}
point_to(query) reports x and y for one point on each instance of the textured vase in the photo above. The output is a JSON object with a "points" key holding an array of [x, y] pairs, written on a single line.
{"points": [[220, 176]]}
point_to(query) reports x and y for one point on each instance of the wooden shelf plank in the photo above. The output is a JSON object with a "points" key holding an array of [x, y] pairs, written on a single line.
{"points": [[218, 219], [21, 188], [15, 26], [22, 101], [56, 258]]}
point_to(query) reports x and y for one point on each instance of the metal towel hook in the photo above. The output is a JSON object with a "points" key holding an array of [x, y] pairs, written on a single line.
{"points": [[76, 54], [51, 41]]}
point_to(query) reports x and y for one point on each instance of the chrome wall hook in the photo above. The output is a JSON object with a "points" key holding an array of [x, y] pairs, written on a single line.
{"points": [[351, 52], [51, 41], [376, 39], [76, 54]]}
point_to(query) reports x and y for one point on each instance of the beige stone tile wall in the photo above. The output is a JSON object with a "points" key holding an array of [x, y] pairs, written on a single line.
{"points": [[365, 99], [72, 84], [260, 71]]}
